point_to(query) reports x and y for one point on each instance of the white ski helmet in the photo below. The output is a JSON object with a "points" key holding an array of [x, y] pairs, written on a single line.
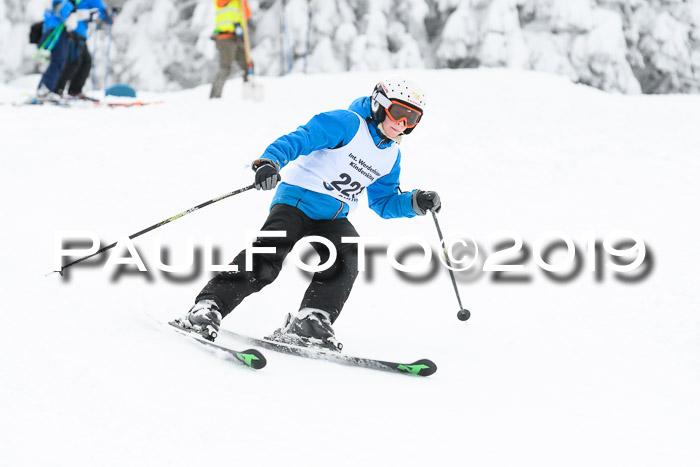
{"points": [[398, 90]]}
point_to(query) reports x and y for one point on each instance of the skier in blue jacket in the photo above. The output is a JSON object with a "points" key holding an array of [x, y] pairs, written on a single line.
{"points": [[79, 62], [333, 160], [60, 19]]}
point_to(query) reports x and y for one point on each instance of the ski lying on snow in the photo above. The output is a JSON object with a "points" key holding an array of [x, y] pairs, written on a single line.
{"points": [[38, 101], [422, 367], [129, 104], [251, 357], [74, 102]]}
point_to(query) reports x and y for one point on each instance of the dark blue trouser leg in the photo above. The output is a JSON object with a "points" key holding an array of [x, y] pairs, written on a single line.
{"points": [[59, 56]]}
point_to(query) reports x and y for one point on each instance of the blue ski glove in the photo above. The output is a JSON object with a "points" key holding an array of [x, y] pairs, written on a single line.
{"points": [[424, 201], [267, 174]]}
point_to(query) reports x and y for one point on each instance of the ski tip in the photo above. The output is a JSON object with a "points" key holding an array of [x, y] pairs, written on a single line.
{"points": [[252, 358], [422, 367], [177, 325]]}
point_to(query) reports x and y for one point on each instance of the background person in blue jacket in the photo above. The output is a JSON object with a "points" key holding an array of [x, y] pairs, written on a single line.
{"points": [[79, 62], [333, 160], [61, 19]]}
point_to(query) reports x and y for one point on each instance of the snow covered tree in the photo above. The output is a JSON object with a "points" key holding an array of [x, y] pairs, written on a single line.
{"points": [[627, 46]]}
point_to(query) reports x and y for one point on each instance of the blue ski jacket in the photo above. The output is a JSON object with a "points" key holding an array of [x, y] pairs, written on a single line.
{"points": [[82, 27], [335, 129]]}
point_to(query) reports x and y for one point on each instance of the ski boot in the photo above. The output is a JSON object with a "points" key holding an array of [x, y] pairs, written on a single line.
{"points": [[45, 95], [204, 318], [310, 328]]}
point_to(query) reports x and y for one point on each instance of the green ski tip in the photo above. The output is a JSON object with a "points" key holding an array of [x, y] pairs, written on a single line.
{"points": [[419, 368], [252, 358]]}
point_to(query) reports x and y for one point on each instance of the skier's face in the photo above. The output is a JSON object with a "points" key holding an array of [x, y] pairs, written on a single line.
{"points": [[391, 128]]}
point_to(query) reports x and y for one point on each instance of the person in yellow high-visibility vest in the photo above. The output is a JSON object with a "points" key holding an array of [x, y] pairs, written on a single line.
{"points": [[228, 34]]}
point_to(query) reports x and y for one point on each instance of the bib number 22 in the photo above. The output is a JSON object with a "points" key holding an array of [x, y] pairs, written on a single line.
{"points": [[346, 186]]}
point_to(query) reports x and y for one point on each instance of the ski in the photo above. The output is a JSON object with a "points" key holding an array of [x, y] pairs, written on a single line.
{"points": [[84, 98], [82, 103], [41, 101], [422, 367], [250, 358], [128, 104]]}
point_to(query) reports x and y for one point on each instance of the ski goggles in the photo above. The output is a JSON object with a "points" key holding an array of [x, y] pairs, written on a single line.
{"points": [[398, 111]]}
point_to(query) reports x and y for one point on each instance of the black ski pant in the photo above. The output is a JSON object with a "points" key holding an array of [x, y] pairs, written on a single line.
{"points": [[77, 67], [329, 289]]}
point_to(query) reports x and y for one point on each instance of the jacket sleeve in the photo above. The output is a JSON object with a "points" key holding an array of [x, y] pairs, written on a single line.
{"points": [[384, 197], [63, 9], [326, 130], [104, 15]]}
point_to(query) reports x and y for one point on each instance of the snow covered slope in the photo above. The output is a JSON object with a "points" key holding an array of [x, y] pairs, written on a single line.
{"points": [[592, 370]]}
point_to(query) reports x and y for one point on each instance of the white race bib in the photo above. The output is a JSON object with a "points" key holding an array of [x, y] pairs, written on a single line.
{"points": [[343, 173]]}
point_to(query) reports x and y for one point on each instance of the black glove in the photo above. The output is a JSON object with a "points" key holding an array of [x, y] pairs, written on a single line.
{"points": [[424, 201], [267, 174]]}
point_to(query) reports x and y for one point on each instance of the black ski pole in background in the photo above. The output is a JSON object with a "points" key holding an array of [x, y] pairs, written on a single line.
{"points": [[463, 314], [94, 54], [109, 45], [310, 9], [159, 224]]}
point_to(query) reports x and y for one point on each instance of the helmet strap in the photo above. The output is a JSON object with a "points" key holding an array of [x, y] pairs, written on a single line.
{"points": [[382, 99]]}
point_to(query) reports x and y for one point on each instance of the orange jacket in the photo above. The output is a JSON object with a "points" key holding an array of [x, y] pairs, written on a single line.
{"points": [[244, 6]]}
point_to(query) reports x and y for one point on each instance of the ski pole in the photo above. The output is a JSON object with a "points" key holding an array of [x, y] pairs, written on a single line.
{"points": [[283, 57], [94, 53], [109, 44], [159, 224], [287, 43], [246, 44], [57, 34], [309, 7], [50, 37], [463, 314], [50, 41]]}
